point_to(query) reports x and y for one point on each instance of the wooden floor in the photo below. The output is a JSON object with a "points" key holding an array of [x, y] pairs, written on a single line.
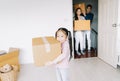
{"points": [[92, 53]]}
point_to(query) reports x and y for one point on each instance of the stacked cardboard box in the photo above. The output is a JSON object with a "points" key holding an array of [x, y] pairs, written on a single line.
{"points": [[8, 72], [45, 49]]}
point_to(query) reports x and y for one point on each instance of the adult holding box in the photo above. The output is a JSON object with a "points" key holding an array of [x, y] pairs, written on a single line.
{"points": [[79, 39]]}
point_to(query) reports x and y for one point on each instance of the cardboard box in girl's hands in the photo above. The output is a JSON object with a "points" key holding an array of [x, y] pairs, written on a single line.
{"points": [[45, 49]]}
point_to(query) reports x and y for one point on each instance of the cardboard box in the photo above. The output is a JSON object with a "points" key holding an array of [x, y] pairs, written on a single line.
{"points": [[81, 25], [45, 49], [11, 75], [12, 57], [81, 5]]}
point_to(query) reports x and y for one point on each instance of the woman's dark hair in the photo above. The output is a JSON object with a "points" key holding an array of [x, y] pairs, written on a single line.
{"points": [[76, 17], [68, 34]]}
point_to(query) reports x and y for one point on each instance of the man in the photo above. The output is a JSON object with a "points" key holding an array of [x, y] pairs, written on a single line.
{"points": [[88, 16]]}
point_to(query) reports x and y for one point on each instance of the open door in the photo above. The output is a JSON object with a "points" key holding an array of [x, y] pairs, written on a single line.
{"points": [[85, 44], [108, 16]]}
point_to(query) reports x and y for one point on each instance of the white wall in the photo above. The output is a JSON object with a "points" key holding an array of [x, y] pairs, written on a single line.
{"points": [[22, 20]]}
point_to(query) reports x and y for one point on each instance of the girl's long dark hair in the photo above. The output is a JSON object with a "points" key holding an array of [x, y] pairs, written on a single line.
{"points": [[68, 34]]}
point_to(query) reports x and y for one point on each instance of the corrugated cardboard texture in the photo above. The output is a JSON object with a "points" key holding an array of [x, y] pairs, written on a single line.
{"points": [[81, 5], [81, 25], [41, 56]]}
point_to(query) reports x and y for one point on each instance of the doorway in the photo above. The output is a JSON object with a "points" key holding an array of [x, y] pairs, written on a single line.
{"points": [[93, 30]]}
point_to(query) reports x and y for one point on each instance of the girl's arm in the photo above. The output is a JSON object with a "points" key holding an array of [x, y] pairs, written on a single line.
{"points": [[64, 54]]}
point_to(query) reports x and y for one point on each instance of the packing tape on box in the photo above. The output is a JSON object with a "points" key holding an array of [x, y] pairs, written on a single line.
{"points": [[47, 45]]}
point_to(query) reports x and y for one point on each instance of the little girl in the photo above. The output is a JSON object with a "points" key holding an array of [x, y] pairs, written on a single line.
{"points": [[62, 61]]}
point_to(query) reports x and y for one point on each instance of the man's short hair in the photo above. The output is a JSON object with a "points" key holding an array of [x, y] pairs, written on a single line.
{"points": [[89, 5]]}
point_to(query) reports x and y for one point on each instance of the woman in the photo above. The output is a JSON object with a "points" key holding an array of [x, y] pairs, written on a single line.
{"points": [[79, 34]]}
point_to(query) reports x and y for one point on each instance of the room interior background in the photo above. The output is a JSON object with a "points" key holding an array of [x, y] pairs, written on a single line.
{"points": [[22, 20]]}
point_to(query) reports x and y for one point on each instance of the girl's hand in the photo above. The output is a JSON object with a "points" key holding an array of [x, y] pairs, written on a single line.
{"points": [[48, 63]]}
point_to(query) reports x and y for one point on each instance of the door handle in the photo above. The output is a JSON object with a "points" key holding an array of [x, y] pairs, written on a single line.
{"points": [[115, 25]]}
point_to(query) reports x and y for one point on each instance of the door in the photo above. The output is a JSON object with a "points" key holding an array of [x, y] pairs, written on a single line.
{"points": [[118, 35], [107, 31]]}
